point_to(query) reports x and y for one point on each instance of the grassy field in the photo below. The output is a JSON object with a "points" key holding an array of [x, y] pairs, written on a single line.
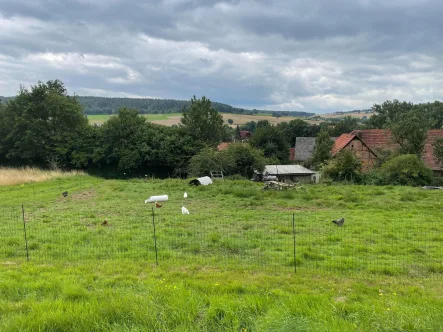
{"points": [[228, 266], [358, 115], [174, 118], [102, 118]]}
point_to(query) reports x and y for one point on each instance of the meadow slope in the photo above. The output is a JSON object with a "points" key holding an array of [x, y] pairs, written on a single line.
{"points": [[228, 266]]}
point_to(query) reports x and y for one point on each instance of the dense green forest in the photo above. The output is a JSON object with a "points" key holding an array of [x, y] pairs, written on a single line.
{"points": [[102, 105]]}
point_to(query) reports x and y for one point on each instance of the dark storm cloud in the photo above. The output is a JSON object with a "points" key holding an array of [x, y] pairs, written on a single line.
{"points": [[314, 55]]}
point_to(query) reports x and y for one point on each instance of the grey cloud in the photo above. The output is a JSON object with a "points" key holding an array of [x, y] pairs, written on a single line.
{"points": [[289, 54]]}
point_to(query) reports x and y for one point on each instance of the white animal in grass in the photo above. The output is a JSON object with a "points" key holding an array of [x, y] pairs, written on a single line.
{"points": [[185, 195], [185, 210]]}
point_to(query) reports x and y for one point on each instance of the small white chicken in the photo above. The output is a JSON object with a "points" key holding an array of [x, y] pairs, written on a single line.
{"points": [[185, 210], [185, 195]]}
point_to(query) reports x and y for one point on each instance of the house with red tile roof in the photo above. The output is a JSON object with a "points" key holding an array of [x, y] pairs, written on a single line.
{"points": [[354, 143], [367, 143]]}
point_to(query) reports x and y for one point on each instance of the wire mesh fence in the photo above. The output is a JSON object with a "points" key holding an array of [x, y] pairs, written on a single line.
{"points": [[272, 241], [12, 241], [204, 239], [397, 247]]}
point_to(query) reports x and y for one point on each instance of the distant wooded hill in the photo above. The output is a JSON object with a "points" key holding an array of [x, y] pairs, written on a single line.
{"points": [[103, 105]]}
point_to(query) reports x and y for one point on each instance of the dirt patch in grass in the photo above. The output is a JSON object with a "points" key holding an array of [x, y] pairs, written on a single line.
{"points": [[85, 195]]}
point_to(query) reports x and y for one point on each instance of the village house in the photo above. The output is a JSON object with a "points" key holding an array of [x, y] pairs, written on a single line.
{"points": [[366, 144]]}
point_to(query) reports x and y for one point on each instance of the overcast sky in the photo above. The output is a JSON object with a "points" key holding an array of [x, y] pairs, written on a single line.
{"points": [[295, 55]]}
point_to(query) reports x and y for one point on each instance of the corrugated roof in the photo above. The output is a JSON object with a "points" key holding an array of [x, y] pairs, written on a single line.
{"points": [[286, 169], [341, 142]]}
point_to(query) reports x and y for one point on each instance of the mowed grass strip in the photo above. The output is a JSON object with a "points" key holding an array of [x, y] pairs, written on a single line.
{"points": [[226, 266]]}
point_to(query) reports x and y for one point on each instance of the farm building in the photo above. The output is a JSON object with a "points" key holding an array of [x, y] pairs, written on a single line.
{"points": [[353, 143], [304, 149], [366, 144], [287, 173]]}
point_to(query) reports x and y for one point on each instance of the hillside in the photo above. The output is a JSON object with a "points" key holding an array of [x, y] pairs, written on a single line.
{"points": [[360, 114], [102, 105]]}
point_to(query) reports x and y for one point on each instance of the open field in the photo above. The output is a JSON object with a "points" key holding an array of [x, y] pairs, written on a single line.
{"points": [[339, 116], [102, 118], [174, 118], [228, 266]]}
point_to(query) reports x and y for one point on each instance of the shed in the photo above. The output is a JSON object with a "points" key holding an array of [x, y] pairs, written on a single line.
{"points": [[204, 181], [286, 173]]}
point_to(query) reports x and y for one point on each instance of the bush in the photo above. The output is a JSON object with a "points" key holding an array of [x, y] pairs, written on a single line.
{"points": [[373, 177], [406, 170], [238, 158], [206, 161]]}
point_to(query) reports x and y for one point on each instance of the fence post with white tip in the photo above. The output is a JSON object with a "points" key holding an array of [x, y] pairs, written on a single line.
{"points": [[155, 238]]}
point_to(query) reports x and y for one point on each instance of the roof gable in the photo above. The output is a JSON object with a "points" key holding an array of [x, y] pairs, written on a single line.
{"points": [[341, 142]]}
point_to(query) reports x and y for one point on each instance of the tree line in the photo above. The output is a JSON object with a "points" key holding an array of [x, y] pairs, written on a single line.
{"points": [[111, 105], [44, 126]]}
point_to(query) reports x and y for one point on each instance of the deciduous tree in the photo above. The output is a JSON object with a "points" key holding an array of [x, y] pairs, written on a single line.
{"points": [[410, 130], [37, 124], [203, 122], [323, 146], [272, 141]]}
